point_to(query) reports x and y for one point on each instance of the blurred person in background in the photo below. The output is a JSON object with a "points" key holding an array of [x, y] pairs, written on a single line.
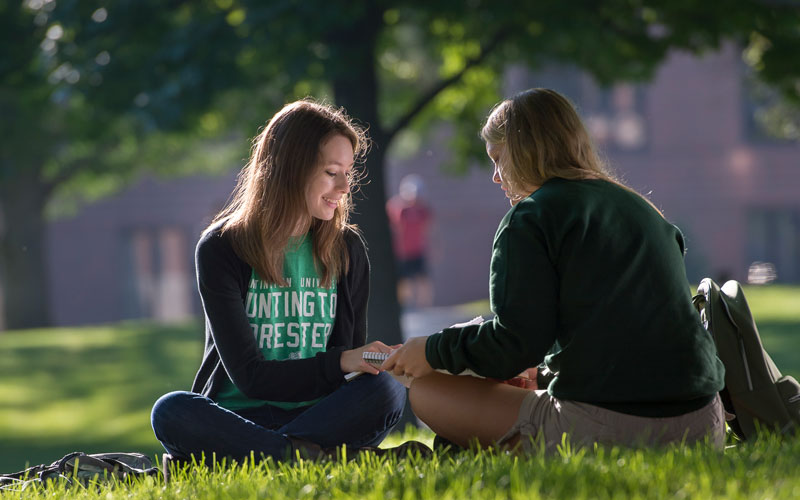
{"points": [[410, 219], [284, 282], [586, 276]]}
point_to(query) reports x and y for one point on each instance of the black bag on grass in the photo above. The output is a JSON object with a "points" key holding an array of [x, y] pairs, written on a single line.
{"points": [[755, 390], [81, 467]]}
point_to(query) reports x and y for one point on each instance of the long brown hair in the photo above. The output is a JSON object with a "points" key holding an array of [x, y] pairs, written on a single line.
{"points": [[269, 198], [544, 138]]}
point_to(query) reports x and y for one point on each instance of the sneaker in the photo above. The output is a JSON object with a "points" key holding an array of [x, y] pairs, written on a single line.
{"points": [[409, 448], [308, 450], [444, 446], [169, 464], [311, 451]]}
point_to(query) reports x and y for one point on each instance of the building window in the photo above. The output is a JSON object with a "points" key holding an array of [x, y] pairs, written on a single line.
{"points": [[615, 116], [768, 118], [160, 278], [773, 242]]}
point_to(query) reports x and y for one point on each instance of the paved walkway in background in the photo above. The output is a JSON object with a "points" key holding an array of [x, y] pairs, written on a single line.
{"points": [[417, 322]]}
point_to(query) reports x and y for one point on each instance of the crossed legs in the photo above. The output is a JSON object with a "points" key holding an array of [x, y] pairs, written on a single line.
{"points": [[359, 413], [463, 409]]}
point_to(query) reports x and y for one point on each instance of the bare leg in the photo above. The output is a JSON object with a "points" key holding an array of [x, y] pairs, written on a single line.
{"points": [[404, 292], [424, 292], [463, 409]]}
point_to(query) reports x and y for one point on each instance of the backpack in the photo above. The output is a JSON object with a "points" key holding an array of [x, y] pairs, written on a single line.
{"points": [[755, 390], [81, 467]]}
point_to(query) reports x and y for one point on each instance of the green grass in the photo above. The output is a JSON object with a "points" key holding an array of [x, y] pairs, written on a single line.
{"points": [[88, 389], [764, 469], [776, 309], [91, 389]]}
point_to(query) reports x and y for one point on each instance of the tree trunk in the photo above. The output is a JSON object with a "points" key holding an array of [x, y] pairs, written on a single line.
{"points": [[23, 266], [384, 311], [355, 88]]}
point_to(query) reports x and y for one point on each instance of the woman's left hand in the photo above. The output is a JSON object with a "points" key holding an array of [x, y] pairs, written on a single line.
{"points": [[409, 359], [353, 361]]}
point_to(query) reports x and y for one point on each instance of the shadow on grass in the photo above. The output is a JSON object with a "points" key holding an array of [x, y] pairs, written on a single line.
{"points": [[18, 455], [88, 389]]}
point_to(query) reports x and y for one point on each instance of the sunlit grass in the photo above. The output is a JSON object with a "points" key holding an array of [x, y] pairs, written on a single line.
{"points": [[776, 309], [766, 468], [774, 303], [88, 389], [91, 389]]}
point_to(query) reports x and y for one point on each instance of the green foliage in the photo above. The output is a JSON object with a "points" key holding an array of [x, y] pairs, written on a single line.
{"points": [[87, 81], [773, 117], [92, 95]]}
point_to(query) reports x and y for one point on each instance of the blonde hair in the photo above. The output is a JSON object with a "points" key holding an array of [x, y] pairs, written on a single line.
{"points": [[544, 137], [269, 198]]}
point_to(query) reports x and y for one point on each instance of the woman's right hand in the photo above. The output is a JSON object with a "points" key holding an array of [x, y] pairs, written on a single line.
{"points": [[351, 361], [525, 380]]}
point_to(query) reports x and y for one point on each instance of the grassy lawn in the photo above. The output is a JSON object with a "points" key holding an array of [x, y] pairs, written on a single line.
{"points": [[765, 469], [91, 389], [776, 309], [88, 389]]}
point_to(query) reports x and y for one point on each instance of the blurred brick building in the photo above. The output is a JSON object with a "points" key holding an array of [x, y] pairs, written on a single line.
{"points": [[687, 139]]}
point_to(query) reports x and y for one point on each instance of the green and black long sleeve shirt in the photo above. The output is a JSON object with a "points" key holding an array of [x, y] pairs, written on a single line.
{"points": [[589, 277]]}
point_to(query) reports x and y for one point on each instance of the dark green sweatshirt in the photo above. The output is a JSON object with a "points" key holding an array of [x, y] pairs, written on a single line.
{"points": [[589, 277]]}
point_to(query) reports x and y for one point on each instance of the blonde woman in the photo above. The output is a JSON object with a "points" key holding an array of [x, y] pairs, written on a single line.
{"points": [[284, 282], [586, 276]]}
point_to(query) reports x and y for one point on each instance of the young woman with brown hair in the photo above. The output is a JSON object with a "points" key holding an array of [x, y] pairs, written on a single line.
{"points": [[284, 281], [586, 276]]}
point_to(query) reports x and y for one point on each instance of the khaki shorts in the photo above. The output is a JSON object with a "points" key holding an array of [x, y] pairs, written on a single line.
{"points": [[544, 419]]}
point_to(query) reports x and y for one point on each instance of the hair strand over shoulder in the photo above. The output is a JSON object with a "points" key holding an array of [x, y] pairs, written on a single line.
{"points": [[269, 202]]}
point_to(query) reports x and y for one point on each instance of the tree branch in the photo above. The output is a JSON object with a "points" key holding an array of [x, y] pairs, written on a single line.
{"points": [[431, 94], [64, 175], [92, 164]]}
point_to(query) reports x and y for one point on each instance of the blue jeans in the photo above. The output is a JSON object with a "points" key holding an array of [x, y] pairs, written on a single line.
{"points": [[359, 413]]}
